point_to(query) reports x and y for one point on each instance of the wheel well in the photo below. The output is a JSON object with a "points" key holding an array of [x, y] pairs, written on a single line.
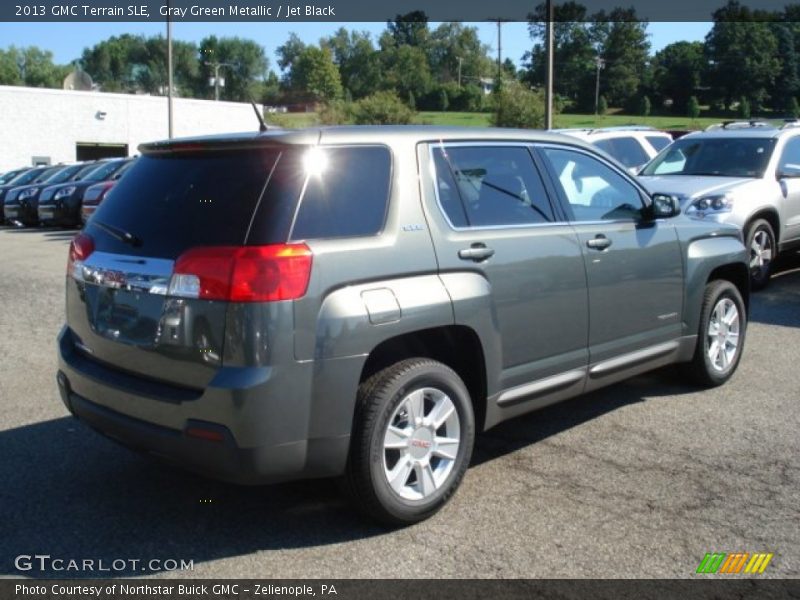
{"points": [[738, 275], [456, 346], [771, 217]]}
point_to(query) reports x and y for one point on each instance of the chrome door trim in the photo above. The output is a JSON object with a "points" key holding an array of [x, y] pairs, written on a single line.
{"points": [[631, 359], [540, 387]]}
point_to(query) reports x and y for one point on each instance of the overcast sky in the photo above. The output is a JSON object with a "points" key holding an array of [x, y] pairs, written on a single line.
{"points": [[67, 40]]}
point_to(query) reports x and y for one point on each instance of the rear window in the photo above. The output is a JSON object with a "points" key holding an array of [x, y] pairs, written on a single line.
{"points": [[173, 202], [626, 150], [659, 142]]}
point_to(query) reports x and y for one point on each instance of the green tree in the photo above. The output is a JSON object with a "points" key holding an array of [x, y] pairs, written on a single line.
{"points": [[573, 54], [602, 105], [382, 108], [677, 72], [358, 61], [693, 108], [454, 45], [516, 106], [794, 108], [622, 42], [644, 106], [410, 29], [9, 71], [744, 107], [405, 69], [787, 83], [315, 76], [114, 63], [246, 71], [742, 53]]}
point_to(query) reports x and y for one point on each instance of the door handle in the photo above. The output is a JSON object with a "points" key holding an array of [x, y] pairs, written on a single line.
{"points": [[476, 252], [600, 242]]}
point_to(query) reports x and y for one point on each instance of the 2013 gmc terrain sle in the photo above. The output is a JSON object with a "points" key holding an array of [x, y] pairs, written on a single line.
{"points": [[358, 302]]}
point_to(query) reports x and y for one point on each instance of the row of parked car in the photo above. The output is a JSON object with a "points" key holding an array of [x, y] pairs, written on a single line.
{"points": [[63, 195], [745, 173]]}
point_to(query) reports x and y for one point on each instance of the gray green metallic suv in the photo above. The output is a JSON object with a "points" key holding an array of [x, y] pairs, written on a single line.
{"points": [[359, 302]]}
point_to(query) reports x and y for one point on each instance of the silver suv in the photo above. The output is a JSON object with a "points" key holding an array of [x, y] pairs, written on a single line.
{"points": [[744, 173], [360, 302]]}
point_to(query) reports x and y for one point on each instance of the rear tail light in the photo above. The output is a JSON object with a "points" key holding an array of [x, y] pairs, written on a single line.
{"points": [[81, 246], [243, 273]]}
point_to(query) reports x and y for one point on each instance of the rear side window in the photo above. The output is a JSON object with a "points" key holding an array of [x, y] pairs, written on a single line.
{"points": [[486, 186], [346, 193], [176, 201], [658, 142], [626, 150]]}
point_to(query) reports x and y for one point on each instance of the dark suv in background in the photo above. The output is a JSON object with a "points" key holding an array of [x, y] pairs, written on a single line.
{"points": [[33, 175], [61, 204], [22, 203], [359, 302]]}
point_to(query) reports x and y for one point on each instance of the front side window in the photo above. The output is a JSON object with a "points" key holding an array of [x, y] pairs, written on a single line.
{"points": [[594, 190], [790, 159], [489, 186]]}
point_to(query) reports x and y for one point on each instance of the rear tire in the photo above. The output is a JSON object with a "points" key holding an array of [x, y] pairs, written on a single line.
{"points": [[763, 252], [720, 339], [412, 441]]}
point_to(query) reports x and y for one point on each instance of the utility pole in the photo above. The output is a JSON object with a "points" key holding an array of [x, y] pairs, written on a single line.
{"points": [[548, 86], [460, 60], [217, 66], [600, 64], [169, 75], [499, 49]]}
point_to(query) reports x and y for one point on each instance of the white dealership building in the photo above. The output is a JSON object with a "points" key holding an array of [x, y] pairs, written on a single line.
{"points": [[46, 126]]}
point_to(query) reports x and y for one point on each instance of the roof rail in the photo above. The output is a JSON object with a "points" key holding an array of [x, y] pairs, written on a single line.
{"points": [[739, 125]]}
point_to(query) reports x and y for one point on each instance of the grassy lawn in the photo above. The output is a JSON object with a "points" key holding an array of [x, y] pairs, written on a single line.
{"points": [[469, 119]]}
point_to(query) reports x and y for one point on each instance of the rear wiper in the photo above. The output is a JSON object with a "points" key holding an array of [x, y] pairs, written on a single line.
{"points": [[120, 234]]}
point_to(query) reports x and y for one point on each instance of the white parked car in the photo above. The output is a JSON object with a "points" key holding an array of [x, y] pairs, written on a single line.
{"points": [[633, 146]]}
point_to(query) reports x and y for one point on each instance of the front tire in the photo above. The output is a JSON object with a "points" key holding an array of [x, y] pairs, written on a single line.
{"points": [[412, 441], [720, 340], [763, 252]]}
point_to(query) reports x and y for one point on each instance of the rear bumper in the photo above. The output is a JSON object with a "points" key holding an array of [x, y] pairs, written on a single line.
{"points": [[252, 445]]}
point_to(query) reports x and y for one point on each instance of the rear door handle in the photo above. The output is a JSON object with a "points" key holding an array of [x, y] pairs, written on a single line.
{"points": [[476, 252], [600, 242]]}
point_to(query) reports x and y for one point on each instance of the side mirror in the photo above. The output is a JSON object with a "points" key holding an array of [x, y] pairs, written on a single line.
{"points": [[788, 171], [664, 207]]}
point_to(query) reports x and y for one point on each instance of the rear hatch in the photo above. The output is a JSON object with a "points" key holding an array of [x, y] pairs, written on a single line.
{"points": [[152, 275]]}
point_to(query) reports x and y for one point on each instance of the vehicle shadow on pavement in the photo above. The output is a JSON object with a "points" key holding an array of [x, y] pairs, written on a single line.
{"points": [[779, 303], [72, 494], [51, 234]]}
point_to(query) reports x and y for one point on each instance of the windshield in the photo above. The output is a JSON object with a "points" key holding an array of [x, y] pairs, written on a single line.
{"points": [[84, 171], [716, 157], [64, 174], [9, 176], [104, 171], [47, 174], [25, 178]]}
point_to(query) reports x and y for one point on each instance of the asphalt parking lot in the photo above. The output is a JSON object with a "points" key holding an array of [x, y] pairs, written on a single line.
{"points": [[638, 480]]}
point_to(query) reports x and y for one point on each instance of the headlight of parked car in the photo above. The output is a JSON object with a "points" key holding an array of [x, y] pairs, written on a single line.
{"points": [[64, 193], [711, 205], [29, 193]]}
